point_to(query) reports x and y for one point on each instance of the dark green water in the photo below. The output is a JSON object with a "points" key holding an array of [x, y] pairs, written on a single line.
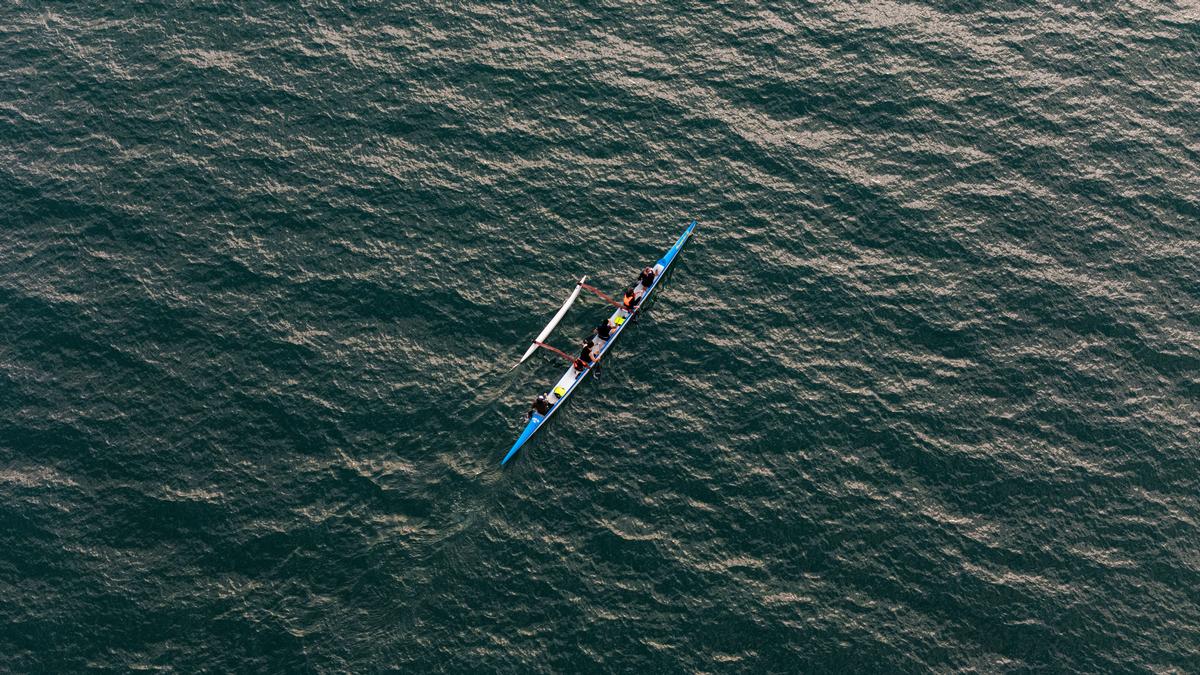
{"points": [[921, 395]]}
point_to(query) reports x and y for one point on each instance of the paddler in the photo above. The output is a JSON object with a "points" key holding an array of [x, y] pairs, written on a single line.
{"points": [[647, 277], [629, 301], [541, 405], [585, 357], [605, 329]]}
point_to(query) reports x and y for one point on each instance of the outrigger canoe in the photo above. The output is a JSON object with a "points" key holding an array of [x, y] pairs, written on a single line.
{"points": [[621, 318]]}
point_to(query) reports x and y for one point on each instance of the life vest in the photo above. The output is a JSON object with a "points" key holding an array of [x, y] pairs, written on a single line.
{"points": [[629, 300]]}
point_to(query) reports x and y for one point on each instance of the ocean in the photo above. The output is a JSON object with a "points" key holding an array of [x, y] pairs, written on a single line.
{"points": [[921, 395]]}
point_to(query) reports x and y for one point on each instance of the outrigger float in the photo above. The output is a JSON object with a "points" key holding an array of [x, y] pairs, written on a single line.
{"points": [[620, 318]]}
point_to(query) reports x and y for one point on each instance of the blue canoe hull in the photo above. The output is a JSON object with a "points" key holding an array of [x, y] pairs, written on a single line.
{"points": [[571, 379]]}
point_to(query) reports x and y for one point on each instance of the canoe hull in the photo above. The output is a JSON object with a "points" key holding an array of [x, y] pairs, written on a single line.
{"points": [[572, 378]]}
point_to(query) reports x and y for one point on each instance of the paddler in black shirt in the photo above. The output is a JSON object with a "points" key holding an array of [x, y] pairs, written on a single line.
{"points": [[647, 278], [541, 405], [585, 357], [604, 330]]}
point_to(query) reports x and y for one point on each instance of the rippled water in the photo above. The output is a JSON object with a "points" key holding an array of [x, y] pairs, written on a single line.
{"points": [[921, 395]]}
